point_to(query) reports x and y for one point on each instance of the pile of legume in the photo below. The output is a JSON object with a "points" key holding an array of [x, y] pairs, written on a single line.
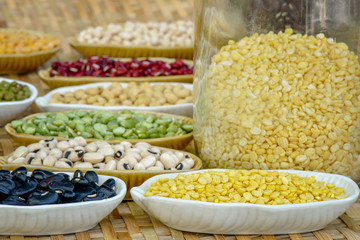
{"points": [[254, 186], [281, 101], [134, 94], [20, 41], [13, 91], [43, 187], [178, 33], [111, 67], [77, 153], [102, 125]]}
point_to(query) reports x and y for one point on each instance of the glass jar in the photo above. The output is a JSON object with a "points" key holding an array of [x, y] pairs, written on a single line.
{"points": [[276, 85]]}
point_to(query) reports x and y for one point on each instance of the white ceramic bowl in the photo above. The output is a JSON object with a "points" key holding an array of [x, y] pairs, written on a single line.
{"points": [[246, 218], [43, 104], [10, 110], [59, 218]]}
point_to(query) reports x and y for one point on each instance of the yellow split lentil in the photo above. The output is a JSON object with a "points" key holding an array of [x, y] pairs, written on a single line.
{"points": [[21, 41], [245, 186], [281, 101]]}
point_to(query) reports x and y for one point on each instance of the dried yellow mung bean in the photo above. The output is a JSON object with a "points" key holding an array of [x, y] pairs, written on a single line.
{"points": [[245, 186], [281, 101]]}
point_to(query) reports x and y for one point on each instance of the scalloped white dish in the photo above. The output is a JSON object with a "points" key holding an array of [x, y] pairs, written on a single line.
{"points": [[10, 110], [59, 218], [43, 104], [246, 218]]}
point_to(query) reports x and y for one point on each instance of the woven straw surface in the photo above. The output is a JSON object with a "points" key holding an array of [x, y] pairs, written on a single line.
{"points": [[65, 18]]}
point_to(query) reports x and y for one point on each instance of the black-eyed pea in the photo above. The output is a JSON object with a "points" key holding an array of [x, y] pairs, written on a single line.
{"points": [[34, 147], [91, 147], [41, 154], [139, 166], [19, 160], [159, 165], [63, 145], [100, 165], [122, 165], [93, 157], [186, 164], [56, 152], [133, 149], [107, 151], [143, 145], [148, 161], [21, 151], [83, 165], [72, 143], [27, 158], [111, 165], [154, 168], [108, 158], [102, 144], [64, 164], [49, 160], [126, 145], [34, 161], [135, 155], [130, 160], [168, 160], [179, 155]]}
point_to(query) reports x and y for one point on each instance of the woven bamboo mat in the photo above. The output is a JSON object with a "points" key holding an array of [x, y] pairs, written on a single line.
{"points": [[65, 18]]}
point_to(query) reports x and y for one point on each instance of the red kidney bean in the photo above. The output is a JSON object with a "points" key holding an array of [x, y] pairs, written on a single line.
{"points": [[107, 67]]}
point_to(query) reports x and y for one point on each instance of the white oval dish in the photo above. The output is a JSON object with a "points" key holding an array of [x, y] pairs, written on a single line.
{"points": [[59, 218], [246, 218], [43, 104], [10, 110]]}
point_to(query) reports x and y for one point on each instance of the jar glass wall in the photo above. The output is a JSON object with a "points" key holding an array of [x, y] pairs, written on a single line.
{"points": [[277, 85]]}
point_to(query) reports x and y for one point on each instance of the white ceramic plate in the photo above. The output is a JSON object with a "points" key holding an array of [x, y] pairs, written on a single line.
{"points": [[43, 104], [59, 218], [246, 218], [10, 110]]}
